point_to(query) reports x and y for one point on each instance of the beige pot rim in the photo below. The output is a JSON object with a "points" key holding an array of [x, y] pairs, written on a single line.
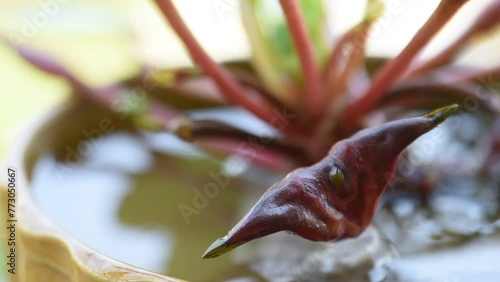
{"points": [[45, 252]]}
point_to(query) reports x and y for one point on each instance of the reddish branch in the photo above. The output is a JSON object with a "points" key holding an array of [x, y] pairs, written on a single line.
{"points": [[302, 44], [194, 130], [483, 77], [345, 59], [156, 115], [392, 70], [263, 158], [487, 20], [454, 75], [428, 95], [49, 65], [231, 90]]}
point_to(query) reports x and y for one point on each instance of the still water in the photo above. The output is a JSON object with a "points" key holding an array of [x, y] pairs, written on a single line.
{"points": [[158, 203]]}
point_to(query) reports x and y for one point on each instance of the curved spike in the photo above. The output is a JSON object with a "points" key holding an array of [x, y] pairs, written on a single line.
{"points": [[336, 197]]}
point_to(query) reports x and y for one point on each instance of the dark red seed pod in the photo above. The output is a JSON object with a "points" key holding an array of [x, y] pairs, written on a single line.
{"points": [[336, 197]]}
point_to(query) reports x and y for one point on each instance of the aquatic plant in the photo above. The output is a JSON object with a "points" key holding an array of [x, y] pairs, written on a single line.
{"points": [[317, 96]]}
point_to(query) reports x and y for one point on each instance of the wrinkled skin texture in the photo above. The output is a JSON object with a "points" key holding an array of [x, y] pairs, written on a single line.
{"points": [[336, 197]]}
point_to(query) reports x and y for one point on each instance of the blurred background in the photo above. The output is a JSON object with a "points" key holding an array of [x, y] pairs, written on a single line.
{"points": [[103, 41]]}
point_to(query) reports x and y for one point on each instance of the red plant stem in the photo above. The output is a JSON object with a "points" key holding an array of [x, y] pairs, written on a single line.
{"points": [[392, 70], [49, 65], [442, 58], [484, 22], [331, 66], [454, 75], [428, 95], [231, 90], [346, 64], [251, 81], [269, 159], [194, 130], [105, 97], [302, 44], [483, 77]]}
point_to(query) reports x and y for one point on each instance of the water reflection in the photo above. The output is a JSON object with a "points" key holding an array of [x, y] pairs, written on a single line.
{"points": [[477, 261], [124, 200], [156, 202], [85, 202], [121, 152]]}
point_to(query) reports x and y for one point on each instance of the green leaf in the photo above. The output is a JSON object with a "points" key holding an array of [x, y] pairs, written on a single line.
{"points": [[274, 56]]}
